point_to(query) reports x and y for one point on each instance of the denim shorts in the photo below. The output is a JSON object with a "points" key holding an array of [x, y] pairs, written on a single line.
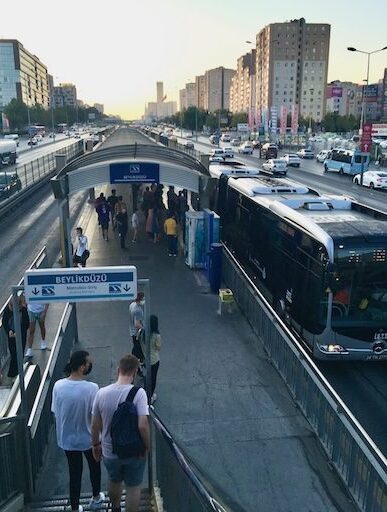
{"points": [[131, 471]]}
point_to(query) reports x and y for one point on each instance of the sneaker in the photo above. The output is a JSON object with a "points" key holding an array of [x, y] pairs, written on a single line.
{"points": [[43, 345], [96, 504], [29, 352], [153, 398]]}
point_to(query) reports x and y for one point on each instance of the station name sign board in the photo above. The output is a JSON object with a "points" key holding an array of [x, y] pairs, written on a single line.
{"points": [[135, 172], [81, 285]]}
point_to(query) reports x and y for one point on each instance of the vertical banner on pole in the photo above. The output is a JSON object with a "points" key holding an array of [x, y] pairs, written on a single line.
{"points": [[283, 119], [273, 119], [294, 119]]}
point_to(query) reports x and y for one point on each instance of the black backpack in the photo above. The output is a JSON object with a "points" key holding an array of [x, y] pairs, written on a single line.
{"points": [[126, 438]]}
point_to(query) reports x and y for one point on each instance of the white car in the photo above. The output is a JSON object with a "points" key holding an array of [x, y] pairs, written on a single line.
{"points": [[228, 152], [235, 142], [215, 159], [292, 160], [305, 153], [275, 166], [246, 148], [322, 155], [372, 179], [225, 137], [189, 145], [217, 152]]}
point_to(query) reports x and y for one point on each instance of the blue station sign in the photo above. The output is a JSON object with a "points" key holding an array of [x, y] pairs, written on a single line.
{"points": [[81, 285], [137, 172]]}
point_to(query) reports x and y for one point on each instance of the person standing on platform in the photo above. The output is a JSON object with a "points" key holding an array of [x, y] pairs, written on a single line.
{"points": [[98, 201], [81, 253], [135, 224], [128, 470], [113, 200], [37, 313], [156, 225], [120, 205], [103, 211], [172, 199], [170, 228], [72, 402], [122, 226], [137, 322], [9, 328], [155, 346]]}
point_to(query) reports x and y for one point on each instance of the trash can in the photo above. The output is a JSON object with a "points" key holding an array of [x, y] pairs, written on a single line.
{"points": [[215, 266]]}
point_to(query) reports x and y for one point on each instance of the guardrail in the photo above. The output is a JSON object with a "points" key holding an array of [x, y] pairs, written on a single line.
{"points": [[357, 460], [39, 261], [36, 172]]}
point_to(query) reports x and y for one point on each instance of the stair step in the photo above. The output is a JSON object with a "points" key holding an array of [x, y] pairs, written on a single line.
{"points": [[62, 503]]}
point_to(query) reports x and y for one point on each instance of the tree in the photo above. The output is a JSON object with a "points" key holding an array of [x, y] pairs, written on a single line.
{"points": [[17, 114], [238, 117]]}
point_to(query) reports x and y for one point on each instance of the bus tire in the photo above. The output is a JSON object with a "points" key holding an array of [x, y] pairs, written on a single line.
{"points": [[341, 172], [356, 181], [372, 185]]}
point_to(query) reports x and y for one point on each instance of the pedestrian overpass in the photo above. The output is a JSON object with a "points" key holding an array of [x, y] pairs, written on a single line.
{"points": [[124, 164]]}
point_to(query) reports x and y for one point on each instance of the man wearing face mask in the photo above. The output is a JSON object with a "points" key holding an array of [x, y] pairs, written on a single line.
{"points": [[72, 401], [137, 322]]}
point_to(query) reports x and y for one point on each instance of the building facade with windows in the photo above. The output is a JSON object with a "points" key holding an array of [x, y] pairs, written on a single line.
{"points": [[242, 90], [344, 98], [65, 95], [200, 89], [217, 84], [292, 67], [22, 76]]}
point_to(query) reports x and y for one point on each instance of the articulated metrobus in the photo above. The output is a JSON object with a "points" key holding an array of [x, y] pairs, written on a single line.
{"points": [[346, 161], [320, 260]]}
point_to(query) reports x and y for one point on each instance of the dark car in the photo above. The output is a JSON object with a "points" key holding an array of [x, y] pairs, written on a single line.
{"points": [[9, 184]]}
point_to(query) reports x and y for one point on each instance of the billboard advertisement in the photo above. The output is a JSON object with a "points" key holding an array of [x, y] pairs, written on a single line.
{"points": [[336, 92], [283, 119], [242, 127], [294, 119], [273, 119]]}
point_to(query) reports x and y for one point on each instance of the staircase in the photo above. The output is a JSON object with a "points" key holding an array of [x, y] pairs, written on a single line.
{"points": [[62, 503]]}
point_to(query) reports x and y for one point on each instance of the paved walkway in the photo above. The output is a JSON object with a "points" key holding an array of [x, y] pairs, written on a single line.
{"points": [[218, 394]]}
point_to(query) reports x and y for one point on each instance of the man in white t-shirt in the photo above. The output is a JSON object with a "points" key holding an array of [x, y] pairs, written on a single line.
{"points": [[82, 251], [129, 470], [137, 322], [72, 401], [36, 313]]}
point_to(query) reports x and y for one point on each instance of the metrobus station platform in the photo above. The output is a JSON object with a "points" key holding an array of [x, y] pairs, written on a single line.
{"points": [[219, 396]]}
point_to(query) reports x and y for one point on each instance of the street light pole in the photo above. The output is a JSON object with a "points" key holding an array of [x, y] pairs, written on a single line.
{"points": [[196, 122]]}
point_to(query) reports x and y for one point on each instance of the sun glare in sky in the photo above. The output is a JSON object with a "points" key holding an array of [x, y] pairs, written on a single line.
{"points": [[114, 52]]}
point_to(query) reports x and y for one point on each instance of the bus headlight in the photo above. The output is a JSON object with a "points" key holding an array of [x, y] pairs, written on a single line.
{"points": [[332, 348]]}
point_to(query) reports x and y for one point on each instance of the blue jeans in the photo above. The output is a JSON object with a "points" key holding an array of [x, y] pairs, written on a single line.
{"points": [[172, 244]]}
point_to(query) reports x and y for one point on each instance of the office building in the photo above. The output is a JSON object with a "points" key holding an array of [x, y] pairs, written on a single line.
{"points": [[22, 76], [65, 95], [242, 90], [217, 83], [292, 67], [344, 98], [99, 107]]}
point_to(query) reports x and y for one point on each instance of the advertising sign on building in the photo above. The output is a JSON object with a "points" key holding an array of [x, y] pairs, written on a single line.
{"points": [[242, 127], [294, 119], [138, 172], [273, 119], [336, 92], [379, 130], [366, 138], [283, 119]]}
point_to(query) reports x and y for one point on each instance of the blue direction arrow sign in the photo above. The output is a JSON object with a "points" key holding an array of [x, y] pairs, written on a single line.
{"points": [[81, 285]]}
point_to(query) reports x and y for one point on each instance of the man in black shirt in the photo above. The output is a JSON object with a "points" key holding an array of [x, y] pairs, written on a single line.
{"points": [[113, 200]]}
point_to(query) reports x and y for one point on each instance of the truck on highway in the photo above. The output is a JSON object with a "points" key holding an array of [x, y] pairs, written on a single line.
{"points": [[7, 152]]}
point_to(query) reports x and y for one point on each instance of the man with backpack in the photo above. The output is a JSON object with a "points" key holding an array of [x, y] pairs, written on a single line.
{"points": [[120, 434]]}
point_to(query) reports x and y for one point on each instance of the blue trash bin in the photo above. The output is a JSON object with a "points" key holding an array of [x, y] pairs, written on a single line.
{"points": [[215, 267]]}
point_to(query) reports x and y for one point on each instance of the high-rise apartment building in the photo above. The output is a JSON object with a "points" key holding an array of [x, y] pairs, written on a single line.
{"points": [[65, 95], [384, 98], [22, 75], [242, 90], [99, 107], [200, 90], [292, 67], [217, 83], [160, 91], [183, 99], [188, 96]]}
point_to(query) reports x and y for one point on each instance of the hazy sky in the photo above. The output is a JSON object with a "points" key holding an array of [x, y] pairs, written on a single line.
{"points": [[116, 50]]}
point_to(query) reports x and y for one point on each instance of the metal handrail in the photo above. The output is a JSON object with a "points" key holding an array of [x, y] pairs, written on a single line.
{"points": [[341, 407], [186, 466]]}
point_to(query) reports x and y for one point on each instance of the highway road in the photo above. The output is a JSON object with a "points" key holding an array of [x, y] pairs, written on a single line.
{"points": [[362, 385]]}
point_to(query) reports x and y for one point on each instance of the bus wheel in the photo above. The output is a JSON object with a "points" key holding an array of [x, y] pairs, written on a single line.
{"points": [[341, 172], [356, 181], [372, 185]]}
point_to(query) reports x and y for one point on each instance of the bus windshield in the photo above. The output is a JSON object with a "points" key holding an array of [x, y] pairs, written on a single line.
{"points": [[360, 295]]}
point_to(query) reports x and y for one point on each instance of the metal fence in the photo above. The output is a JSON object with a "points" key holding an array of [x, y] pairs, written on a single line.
{"points": [[355, 457], [41, 418], [181, 486], [40, 261]]}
